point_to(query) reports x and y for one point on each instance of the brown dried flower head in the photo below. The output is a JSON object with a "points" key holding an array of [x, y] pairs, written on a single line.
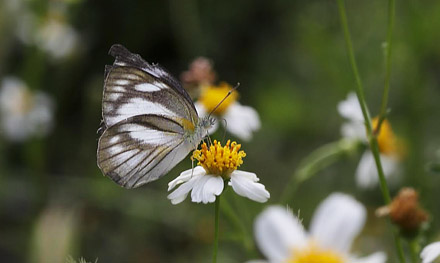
{"points": [[200, 73], [405, 210]]}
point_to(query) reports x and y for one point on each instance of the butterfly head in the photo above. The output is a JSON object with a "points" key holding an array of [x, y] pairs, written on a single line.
{"points": [[200, 131], [205, 124]]}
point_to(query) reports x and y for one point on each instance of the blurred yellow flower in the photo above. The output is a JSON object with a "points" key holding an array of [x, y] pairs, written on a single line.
{"points": [[389, 143], [391, 148], [212, 95], [315, 254], [240, 120], [281, 237]]}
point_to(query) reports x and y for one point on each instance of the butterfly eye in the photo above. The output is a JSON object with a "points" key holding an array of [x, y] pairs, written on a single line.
{"points": [[207, 122]]}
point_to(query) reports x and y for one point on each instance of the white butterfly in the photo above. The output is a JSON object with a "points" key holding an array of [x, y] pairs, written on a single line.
{"points": [[150, 123]]}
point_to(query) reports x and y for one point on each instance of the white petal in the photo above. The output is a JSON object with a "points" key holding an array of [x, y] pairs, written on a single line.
{"points": [[42, 113], [350, 108], [23, 113], [185, 176], [182, 191], [337, 221], [242, 120], [245, 184], [257, 261], [59, 39], [250, 176], [214, 126], [12, 91], [278, 232], [207, 188], [430, 252], [378, 257], [366, 172], [201, 110], [354, 130]]}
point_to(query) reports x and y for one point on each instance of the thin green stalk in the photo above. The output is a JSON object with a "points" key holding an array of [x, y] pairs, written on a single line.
{"points": [[238, 224], [217, 208], [359, 88], [374, 145], [388, 47], [316, 161], [372, 139], [414, 248], [391, 12]]}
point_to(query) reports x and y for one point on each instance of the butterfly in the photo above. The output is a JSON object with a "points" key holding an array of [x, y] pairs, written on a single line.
{"points": [[149, 123]]}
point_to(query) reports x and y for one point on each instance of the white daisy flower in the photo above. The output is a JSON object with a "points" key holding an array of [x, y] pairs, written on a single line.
{"points": [[23, 113], [338, 220], [390, 150], [350, 109], [240, 120], [430, 252], [54, 235], [50, 32], [217, 165], [57, 38]]}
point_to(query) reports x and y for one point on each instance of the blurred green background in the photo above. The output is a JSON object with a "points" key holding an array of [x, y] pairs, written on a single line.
{"points": [[290, 59]]}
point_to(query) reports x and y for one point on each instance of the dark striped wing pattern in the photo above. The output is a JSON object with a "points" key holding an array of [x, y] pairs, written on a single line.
{"points": [[141, 149], [143, 110], [133, 87]]}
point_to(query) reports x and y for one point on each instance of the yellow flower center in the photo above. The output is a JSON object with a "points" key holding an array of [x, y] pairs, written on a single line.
{"points": [[218, 160], [314, 254], [389, 144], [210, 97]]}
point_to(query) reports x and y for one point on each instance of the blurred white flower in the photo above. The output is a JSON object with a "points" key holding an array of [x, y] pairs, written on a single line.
{"points": [[23, 113], [338, 220], [350, 109], [218, 165], [54, 235], [390, 150], [56, 38], [430, 252], [240, 120], [50, 32]]}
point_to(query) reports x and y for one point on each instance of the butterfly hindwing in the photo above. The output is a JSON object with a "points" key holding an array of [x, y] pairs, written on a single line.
{"points": [[141, 149]]}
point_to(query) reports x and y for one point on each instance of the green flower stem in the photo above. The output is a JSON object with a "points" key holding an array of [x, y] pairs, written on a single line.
{"points": [[359, 88], [383, 108], [414, 247], [217, 208], [234, 219], [319, 159], [372, 139]]}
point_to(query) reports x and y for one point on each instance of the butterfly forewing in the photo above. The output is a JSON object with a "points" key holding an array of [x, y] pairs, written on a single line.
{"points": [[129, 92], [132, 86], [146, 115]]}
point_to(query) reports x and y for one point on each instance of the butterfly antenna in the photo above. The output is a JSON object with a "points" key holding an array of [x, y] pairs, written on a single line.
{"points": [[227, 95]]}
